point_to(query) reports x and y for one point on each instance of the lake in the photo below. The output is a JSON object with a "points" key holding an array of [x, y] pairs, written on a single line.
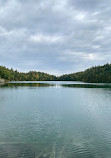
{"points": [[55, 120]]}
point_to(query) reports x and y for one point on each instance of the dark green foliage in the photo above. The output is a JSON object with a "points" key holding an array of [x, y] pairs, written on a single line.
{"points": [[71, 77], [95, 74], [98, 74], [11, 75]]}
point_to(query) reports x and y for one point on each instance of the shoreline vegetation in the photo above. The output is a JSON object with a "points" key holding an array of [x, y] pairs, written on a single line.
{"points": [[97, 74]]}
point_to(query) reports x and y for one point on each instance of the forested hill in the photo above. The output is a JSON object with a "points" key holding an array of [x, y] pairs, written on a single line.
{"points": [[98, 74], [95, 74], [11, 75]]}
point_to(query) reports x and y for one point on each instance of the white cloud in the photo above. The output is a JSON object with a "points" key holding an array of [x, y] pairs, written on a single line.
{"points": [[99, 37], [90, 56], [11, 33], [82, 56], [96, 47], [80, 16], [41, 38]]}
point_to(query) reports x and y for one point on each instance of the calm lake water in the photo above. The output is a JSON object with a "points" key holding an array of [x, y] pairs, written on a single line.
{"points": [[55, 120]]}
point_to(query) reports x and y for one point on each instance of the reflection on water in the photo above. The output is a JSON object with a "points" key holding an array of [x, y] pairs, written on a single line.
{"points": [[55, 84], [55, 120], [25, 84]]}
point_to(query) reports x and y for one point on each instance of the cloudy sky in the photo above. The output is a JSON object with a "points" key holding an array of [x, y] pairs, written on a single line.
{"points": [[55, 36]]}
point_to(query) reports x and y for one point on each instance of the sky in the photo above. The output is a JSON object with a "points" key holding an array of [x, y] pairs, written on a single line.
{"points": [[55, 36]]}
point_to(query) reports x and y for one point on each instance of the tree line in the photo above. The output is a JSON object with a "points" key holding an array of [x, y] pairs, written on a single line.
{"points": [[11, 75], [95, 74]]}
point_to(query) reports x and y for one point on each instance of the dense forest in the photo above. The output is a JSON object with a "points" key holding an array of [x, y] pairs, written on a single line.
{"points": [[11, 75], [95, 74]]}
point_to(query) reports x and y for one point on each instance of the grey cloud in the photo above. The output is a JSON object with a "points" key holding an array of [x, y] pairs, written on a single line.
{"points": [[89, 5], [54, 36]]}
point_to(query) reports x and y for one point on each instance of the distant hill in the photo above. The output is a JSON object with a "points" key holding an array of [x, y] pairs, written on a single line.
{"points": [[95, 74], [11, 75]]}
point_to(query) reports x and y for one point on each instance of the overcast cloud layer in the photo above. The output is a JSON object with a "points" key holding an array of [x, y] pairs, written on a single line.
{"points": [[55, 36]]}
